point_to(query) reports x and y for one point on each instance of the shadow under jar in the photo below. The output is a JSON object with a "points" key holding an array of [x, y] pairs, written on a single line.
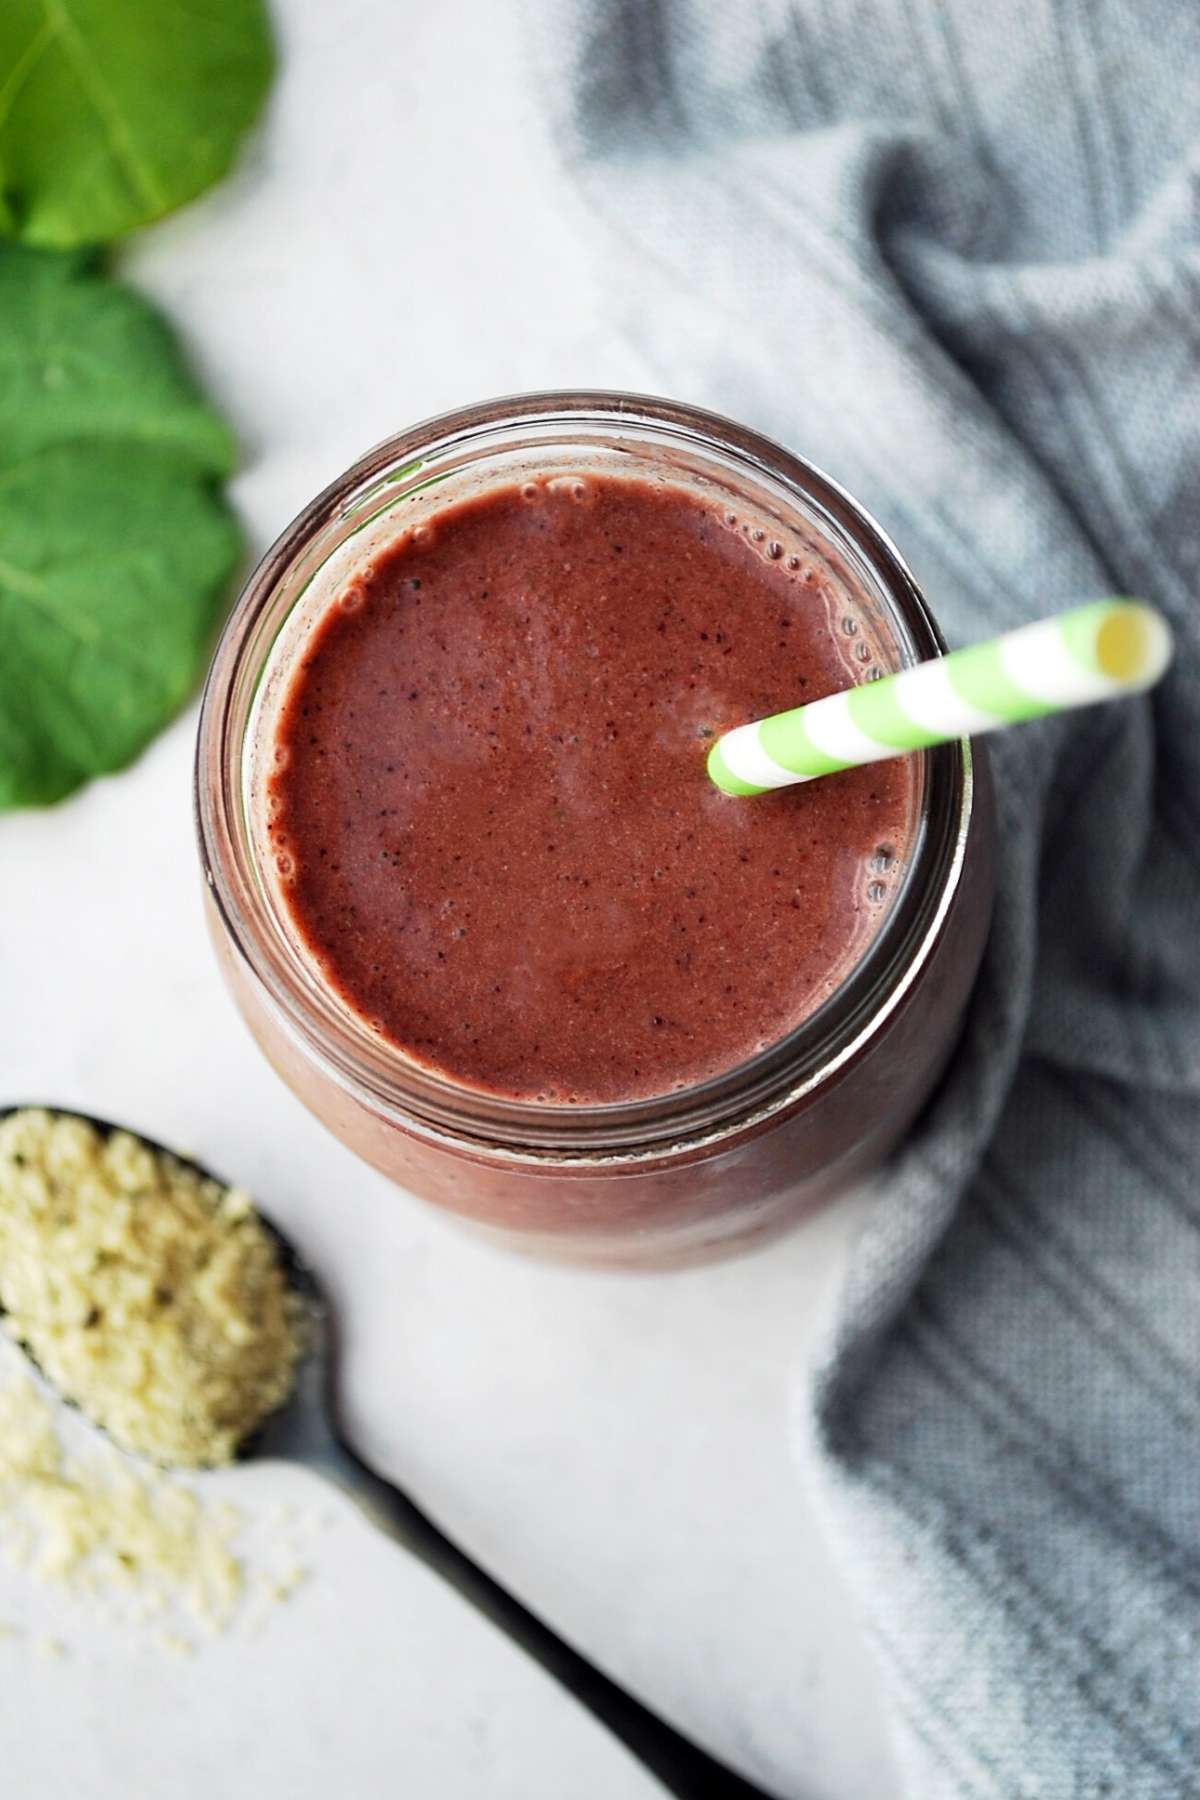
{"points": [[694, 1092]]}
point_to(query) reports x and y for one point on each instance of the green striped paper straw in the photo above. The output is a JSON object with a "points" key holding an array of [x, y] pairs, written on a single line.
{"points": [[1095, 652]]}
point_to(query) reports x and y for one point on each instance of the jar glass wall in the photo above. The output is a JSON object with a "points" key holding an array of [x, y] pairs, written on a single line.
{"points": [[647, 1180]]}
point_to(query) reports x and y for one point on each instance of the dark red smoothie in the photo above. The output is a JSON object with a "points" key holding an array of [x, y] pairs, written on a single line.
{"points": [[489, 805]]}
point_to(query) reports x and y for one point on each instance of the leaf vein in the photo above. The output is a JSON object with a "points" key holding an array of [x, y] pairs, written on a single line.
{"points": [[24, 66]]}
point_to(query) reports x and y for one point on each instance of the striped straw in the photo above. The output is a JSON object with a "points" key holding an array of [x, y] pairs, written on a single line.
{"points": [[1095, 652]]}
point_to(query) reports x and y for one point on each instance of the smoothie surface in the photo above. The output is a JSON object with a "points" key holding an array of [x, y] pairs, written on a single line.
{"points": [[489, 810]]}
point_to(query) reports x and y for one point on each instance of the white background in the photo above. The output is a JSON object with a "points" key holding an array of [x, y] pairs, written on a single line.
{"points": [[615, 1448]]}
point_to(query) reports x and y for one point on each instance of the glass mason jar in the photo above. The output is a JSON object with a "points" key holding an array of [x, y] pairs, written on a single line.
{"points": [[648, 1181]]}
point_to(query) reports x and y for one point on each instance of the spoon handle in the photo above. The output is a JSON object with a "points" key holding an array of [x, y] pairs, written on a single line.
{"points": [[681, 1766]]}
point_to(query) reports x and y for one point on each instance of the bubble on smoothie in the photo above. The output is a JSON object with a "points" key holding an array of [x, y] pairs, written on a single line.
{"points": [[352, 597], [530, 490], [281, 756], [850, 625], [774, 550], [572, 486], [793, 564], [424, 537]]}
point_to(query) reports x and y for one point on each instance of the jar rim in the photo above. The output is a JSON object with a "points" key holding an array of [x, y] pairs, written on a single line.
{"points": [[739, 1100]]}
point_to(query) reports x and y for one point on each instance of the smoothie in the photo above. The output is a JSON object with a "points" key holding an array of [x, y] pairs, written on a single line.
{"points": [[488, 814]]}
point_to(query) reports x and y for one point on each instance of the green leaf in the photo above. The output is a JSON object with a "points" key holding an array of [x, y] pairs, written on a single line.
{"points": [[113, 112], [81, 357], [115, 545]]}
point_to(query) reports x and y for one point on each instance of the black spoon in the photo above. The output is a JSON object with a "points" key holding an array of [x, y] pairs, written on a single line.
{"points": [[305, 1430]]}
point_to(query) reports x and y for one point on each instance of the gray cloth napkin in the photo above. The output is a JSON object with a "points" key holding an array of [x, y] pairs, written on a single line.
{"points": [[949, 250]]}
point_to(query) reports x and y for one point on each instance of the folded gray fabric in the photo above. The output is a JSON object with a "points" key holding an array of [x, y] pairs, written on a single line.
{"points": [[949, 250]]}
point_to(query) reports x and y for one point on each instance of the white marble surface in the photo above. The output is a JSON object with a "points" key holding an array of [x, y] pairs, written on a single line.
{"points": [[615, 1448]]}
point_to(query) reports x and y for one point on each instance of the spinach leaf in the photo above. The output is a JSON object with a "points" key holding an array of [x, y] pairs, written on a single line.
{"points": [[113, 112], [115, 545]]}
